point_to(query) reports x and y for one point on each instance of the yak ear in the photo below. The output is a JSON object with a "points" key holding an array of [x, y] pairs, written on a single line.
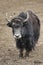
{"points": [[9, 24]]}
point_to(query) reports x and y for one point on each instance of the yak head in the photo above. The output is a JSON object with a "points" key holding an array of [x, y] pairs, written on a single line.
{"points": [[18, 26]]}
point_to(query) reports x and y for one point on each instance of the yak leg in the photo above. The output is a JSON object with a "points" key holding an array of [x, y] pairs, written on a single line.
{"points": [[21, 53], [27, 53]]}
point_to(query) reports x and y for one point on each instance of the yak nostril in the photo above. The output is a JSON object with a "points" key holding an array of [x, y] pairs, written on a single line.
{"points": [[17, 36]]}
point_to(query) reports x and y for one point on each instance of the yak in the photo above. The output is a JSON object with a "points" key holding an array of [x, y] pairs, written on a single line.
{"points": [[26, 31]]}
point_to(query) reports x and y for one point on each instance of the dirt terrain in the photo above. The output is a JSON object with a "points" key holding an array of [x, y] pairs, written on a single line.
{"points": [[9, 54]]}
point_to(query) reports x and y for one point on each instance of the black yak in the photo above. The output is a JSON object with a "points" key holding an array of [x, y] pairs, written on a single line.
{"points": [[26, 31]]}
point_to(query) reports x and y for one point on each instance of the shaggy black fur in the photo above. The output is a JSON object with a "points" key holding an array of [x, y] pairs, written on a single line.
{"points": [[31, 32]]}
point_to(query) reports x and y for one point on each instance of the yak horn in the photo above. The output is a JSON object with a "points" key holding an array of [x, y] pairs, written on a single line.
{"points": [[8, 20], [27, 17]]}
